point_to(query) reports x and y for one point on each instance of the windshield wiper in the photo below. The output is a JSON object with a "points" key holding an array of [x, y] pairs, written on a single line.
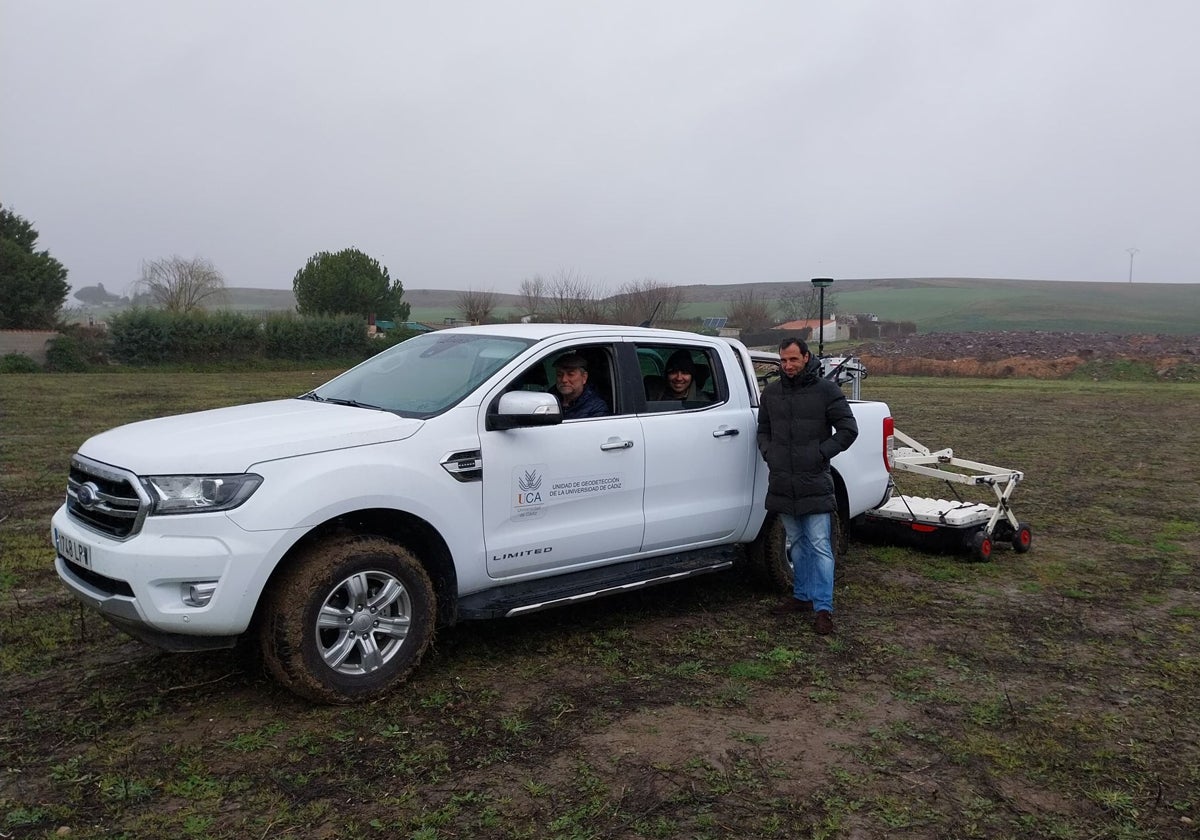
{"points": [[313, 395]]}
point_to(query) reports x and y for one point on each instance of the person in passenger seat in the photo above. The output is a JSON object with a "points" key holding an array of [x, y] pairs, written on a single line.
{"points": [[578, 398], [681, 380]]}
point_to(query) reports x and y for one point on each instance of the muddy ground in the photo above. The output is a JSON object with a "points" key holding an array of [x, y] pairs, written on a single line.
{"points": [[1048, 694]]}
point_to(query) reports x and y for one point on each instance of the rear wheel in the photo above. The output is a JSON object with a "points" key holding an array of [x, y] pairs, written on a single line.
{"points": [[1022, 539], [770, 560], [349, 620], [769, 555]]}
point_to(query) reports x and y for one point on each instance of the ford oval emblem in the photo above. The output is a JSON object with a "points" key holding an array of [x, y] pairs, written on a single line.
{"points": [[88, 495]]}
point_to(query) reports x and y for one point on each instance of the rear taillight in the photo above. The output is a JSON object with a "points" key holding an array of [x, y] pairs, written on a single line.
{"points": [[889, 441]]}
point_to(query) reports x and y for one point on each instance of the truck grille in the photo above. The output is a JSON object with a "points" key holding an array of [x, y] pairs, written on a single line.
{"points": [[105, 498]]}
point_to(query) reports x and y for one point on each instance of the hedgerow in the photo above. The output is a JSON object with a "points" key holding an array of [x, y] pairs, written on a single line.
{"points": [[154, 337]]}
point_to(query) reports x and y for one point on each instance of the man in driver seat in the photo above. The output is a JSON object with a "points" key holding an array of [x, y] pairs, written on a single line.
{"points": [[578, 398]]}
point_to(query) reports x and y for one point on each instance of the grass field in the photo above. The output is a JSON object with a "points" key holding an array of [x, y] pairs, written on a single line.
{"points": [[979, 305], [933, 304], [975, 305], [1053, 694]]}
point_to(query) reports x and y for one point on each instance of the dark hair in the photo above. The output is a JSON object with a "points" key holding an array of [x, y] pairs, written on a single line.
{"points": [[681, 360], [799, 342]]}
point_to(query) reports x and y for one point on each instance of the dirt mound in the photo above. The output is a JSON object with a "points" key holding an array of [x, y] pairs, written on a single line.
{"points": [[1036, 355]]}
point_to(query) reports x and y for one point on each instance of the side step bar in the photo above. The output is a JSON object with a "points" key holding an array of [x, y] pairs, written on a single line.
{"points": [[573, 588]]}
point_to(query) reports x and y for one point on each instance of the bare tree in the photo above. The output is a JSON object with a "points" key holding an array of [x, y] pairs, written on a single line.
{"points": [[592, 308], [533, 296], [748, 311], [831, 304], [475, 306], [802, 302], [638, 300], [574, 299], [794, 301], [180, 285]]}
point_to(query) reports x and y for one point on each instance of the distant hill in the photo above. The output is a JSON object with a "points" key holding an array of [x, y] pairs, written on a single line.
{"points": [[276, 300], [934, 304]]}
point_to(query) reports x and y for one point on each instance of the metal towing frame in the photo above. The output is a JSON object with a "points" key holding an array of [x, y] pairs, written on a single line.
{"points": [[953, 522], [972, 525]]}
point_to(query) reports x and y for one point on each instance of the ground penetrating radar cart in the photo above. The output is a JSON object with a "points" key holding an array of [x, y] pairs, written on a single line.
{"points": [[946, 524]]}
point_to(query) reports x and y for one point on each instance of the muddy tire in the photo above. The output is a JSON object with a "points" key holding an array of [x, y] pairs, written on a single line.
{"points": [[769, 558], [348, 620]]}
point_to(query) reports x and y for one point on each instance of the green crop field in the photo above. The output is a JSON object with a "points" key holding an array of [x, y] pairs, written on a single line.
{"points": [[974, 306], [980, 305], [1052, 694], [934, 305]]}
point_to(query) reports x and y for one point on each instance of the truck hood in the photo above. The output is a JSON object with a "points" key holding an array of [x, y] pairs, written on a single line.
{"points": [[231, 440]]}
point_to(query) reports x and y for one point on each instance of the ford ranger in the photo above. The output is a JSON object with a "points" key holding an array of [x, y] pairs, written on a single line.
{"points": [[435, 482]]}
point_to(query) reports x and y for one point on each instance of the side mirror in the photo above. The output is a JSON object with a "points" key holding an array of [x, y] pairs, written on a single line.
{"points": [[519, 409]]}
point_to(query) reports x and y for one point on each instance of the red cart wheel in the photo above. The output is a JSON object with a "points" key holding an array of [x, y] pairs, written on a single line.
{"points": [[1022, 539], [981, 547]]}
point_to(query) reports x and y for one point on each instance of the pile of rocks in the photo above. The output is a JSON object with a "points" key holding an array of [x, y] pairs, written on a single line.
{"points": [[1028, 354], [994, 346]]}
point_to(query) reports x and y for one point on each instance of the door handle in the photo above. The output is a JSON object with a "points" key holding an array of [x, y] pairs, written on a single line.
{"points": [[616, 444], [719, 433]]}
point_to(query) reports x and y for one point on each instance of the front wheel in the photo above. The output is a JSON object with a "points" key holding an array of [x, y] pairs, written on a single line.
{"points": [[981, 547], [348, 620]]}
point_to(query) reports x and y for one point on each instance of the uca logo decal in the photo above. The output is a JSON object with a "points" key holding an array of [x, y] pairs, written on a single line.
{"points": [[530, 481], [529, 485]]}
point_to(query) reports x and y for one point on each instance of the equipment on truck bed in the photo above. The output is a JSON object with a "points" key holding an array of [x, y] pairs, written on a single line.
{"points": [[953, 522]]}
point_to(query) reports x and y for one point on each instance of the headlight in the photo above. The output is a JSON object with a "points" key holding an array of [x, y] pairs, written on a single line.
{"points": [[199, 493]]}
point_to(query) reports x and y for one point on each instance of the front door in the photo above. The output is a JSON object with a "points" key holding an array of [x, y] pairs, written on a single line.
{"points": [[563, 496]]}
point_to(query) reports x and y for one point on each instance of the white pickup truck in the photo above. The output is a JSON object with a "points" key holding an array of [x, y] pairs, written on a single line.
{"points": [[433, 483]]}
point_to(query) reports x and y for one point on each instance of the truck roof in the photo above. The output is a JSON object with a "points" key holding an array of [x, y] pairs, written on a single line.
{"points": [[541, 332]]}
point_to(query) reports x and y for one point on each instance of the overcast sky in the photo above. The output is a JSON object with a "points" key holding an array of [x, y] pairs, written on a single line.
{"points": [[474, 144]]}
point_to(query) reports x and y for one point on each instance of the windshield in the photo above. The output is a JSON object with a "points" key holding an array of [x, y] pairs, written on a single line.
{"points": [[423, 376]]}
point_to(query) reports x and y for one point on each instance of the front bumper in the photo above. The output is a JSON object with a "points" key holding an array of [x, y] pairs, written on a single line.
{"points": [[144, 585]]}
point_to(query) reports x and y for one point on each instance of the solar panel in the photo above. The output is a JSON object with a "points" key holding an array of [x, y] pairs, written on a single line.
{"points": [[715, 323]]}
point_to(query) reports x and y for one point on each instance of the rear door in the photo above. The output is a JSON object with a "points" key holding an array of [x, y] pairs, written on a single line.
{"points": [[700, 455]]}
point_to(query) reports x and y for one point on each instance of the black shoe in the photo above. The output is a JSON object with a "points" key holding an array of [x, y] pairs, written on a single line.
{"points": [[791, 606], [824, 623]]}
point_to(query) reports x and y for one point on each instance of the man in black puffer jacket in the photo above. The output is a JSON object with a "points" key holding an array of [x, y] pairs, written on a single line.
{"points": [[795, 420]]}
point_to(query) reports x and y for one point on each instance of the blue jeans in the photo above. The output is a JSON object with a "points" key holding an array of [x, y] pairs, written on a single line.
{"points": [[811, 551]]}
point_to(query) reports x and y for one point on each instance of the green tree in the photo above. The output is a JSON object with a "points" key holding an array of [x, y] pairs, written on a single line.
{"points": [[348, 282], [33, 285]]}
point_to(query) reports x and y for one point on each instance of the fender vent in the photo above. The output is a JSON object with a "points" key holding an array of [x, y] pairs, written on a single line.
{"points": [[464, 466]]}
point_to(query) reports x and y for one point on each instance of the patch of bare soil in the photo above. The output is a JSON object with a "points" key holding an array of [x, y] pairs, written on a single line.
{"points": [[1027, 355], [652, 754]]}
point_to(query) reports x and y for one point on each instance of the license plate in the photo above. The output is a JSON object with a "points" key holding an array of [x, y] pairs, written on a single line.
{"points": [[73, 550]]}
